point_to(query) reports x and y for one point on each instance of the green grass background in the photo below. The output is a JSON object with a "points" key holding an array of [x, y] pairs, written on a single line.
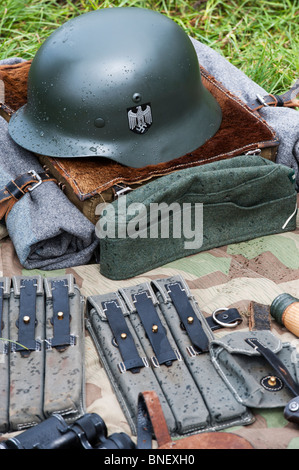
{"points": [[259, 37]]}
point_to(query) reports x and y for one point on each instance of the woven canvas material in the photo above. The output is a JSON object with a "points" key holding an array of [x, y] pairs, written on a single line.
{"points": [[242, 198]]}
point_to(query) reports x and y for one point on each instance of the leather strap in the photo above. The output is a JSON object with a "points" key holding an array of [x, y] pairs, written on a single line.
{"points": [[6, 112], [276, 363], [61, 315], [188, 317], [15, 189], [154, 329], [287, 99], [27, 317], [224, 318], [259, 316], [151, 421], [125, 342]]}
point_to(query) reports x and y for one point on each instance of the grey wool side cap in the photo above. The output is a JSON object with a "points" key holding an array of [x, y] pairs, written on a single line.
{"points": [[223, 202]]}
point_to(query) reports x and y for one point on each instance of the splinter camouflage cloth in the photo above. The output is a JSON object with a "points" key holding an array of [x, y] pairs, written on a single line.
{"points": [[233, 275]]}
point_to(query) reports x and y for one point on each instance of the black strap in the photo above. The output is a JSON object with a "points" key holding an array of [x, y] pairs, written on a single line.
{"points": [[61, 315], [131, 359], [188, 317], [15, 189], [227, 317], [154, 329], [276, 363], [27, 317], [287, 99], [265, 101]]}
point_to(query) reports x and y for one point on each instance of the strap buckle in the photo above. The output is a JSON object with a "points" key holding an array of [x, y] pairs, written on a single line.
{"points": [[225, 325], [122, 366], [39, 180], [261, 100], [120, 190]]}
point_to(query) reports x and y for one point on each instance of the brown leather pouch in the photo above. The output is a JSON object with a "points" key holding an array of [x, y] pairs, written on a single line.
{"points": [[88, 182], [152, 423]]}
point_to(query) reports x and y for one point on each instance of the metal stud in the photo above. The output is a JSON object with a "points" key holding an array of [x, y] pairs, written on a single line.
{"points": [[155, 328], [26, 319], [272, 381], [60, 315], [123, 335], [190, 320], [293, 406]]}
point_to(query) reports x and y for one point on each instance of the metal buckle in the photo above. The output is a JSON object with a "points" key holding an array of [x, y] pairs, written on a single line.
{"points": [[122, 191], [122, 368], [178, 354], [155, 361], [261, 100], [225, 325], [39, 180], [191, 351]]}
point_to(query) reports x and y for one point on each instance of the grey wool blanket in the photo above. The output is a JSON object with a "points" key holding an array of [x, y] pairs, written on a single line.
{"points": [[47, 230], [284, 121]]}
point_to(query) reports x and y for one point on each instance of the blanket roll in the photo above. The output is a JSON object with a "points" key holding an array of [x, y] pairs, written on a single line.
{"points": [[47, 230]]}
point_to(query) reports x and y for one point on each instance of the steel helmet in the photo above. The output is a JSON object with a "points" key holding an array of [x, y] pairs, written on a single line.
{"points": [[122, 83]]}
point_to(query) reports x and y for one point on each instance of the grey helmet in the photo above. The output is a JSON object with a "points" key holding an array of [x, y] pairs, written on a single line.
{"points": [[122, 83]]}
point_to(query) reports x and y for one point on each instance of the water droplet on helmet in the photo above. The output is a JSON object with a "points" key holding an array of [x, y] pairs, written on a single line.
{"points": [[99, 122]]}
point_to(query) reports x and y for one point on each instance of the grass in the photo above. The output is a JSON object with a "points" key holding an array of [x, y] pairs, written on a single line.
{"points": [[259, 37]]}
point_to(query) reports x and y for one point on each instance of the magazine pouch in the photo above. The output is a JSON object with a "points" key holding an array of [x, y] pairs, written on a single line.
{"points": [[26, 365], [43, 355], [64, 348], [144, 345], [4, 352]]}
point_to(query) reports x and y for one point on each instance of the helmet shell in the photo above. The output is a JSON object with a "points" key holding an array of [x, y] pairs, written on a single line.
{"points": [[122, 83]]}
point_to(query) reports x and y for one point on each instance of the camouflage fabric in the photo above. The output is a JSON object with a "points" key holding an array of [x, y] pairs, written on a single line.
{"points": [[229, 276]]}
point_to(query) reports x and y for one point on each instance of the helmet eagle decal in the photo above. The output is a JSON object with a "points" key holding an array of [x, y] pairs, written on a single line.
{"points": [[141, 119]]}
